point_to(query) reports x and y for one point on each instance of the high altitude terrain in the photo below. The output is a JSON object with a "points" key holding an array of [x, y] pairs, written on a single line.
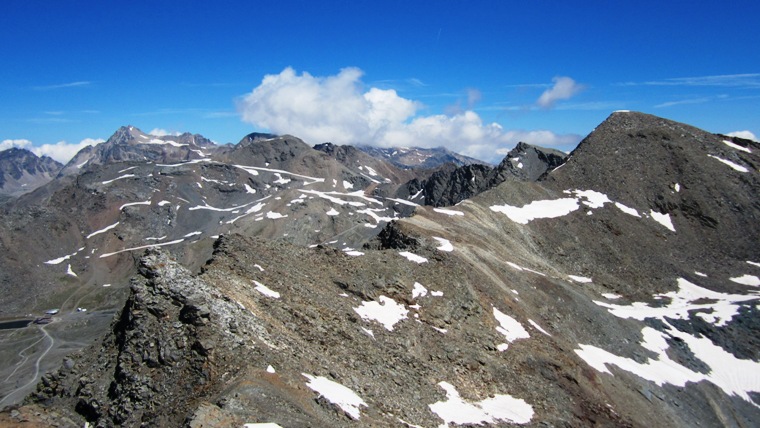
{"points": [[617, 286]]}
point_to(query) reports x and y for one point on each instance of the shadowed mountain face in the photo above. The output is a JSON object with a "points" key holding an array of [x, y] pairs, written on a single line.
{"points": [[619, 288], [451, 184], [21, 171]]}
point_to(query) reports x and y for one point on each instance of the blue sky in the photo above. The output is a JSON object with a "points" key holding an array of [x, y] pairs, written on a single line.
{"points": [[476, 76]]}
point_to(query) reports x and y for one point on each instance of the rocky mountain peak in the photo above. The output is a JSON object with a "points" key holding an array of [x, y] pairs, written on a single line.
{"points": [[22, 171], [129, 143]]}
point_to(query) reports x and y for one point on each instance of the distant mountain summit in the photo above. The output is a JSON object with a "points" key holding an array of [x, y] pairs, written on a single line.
{"points": [[415, 157], [129, 143], [22, 171]]}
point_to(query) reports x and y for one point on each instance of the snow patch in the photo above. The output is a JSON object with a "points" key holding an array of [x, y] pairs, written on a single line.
{"points": [[499, 408], [538, 327], [627, 210], [105, 229], [141, 248], [273, 215], [736, 146], [413, 257], [419, 290], [538, 209], [130, 204], [69, 271], [747, 280], [688, 298], [263, 289], [332, 211], [337, 394], [387, 312], [735, 166], [448, 212], [663, 219], [118, 178], [509, 327], [581, 279], [445, 244]]}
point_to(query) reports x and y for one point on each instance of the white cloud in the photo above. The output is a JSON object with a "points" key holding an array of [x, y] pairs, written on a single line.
{"points": [[63, 151], [564, 88], [21, 144], [339, 109], [747, 135], [159, 132]]}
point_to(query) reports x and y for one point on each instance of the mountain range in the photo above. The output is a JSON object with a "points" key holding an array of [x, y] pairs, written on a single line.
{"points": [[271, 282]]}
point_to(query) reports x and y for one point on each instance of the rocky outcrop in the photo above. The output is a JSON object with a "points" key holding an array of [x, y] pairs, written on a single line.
{"points": [[174, 344]]}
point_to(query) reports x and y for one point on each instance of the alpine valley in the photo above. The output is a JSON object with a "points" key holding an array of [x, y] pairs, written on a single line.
{"points": [[170, 281]]}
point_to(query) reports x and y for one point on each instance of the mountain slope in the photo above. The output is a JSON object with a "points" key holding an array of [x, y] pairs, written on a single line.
{"points": [[579, 299], [596, 295], [21, 171]]}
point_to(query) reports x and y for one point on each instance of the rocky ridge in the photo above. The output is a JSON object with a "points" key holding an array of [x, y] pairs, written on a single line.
{"points": [[617, 289], [450, 184]]}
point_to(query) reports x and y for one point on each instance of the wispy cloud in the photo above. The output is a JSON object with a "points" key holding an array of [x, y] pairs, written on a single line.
{"points": [[170, 110], [44, 120], [597, 105], [695, 100], [683, 102], [220, 114], [747, 80], [564, 88], [63, 85], [528, 85]]}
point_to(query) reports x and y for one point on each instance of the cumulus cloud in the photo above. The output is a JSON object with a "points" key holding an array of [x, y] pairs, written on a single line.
{"points": [[747, 135], [564, 88], [60, 151], [341, 110], [63, 151], [21, 144]]}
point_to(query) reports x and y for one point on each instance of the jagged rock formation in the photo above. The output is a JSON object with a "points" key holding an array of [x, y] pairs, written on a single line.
{"points": [[451, 185], [618, 289], [21, 171]]}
